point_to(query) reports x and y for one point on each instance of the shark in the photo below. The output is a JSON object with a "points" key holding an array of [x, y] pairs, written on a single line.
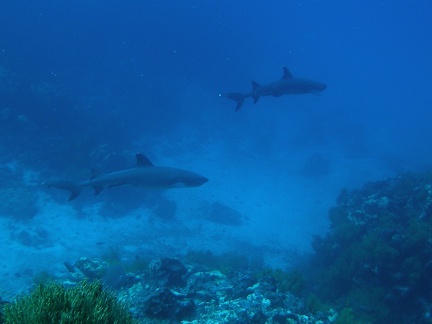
{"points": [[287, 84], [144, 174]]}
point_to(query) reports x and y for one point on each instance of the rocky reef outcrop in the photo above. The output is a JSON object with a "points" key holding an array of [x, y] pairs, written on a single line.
{"points": [[377, 257], [173, 291]]}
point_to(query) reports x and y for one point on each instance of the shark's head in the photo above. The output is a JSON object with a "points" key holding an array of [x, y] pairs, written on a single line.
{"points": [[318, 86], [191, 179]]}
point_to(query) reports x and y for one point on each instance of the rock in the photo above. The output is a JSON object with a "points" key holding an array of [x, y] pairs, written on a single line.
{"points": [[92, 268], [267, 284], [164, 304], [242, 284], [168, 272], [259, 318], [207, 286], [222, 214], [172, 292]]}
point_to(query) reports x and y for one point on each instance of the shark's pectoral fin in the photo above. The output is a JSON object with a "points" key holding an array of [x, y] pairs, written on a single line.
{"points": [[255, 86], [74, 194], [255, 98], [71, 186], [97, 190]]}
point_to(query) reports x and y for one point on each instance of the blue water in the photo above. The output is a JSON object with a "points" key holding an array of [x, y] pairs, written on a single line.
{"points": [[89, 84]]}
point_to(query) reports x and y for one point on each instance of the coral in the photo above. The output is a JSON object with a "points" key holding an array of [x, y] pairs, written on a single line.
{"points": [[53, 303], [213, 297], [375, 259]]}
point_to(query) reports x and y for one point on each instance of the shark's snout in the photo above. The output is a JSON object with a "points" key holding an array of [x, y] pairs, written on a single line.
{"points": [[188, 179], [321, 86], [195, 181]]}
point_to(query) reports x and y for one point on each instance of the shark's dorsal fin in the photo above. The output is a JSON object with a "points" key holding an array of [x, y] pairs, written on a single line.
{"points": [[142, 161], [286, 74]]}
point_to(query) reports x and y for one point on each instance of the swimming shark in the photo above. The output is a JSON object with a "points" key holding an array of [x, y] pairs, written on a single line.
{"points": [[144, 174], [287, 84]]}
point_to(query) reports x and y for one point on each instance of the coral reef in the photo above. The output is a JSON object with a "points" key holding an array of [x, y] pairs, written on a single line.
{"points": [[203, 295], [376, 259], [171, 290]]}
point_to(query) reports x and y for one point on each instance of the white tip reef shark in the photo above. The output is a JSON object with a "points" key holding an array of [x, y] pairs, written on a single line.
{"points": [[144, 174], [287, 84]]}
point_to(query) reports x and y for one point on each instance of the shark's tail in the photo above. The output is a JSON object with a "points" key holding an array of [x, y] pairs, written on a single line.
{"points": [[236, 96], [69, 185]]}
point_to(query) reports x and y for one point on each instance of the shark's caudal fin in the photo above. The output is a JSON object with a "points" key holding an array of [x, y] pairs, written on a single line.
{"points": [[66, 185], [236, 96]]}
